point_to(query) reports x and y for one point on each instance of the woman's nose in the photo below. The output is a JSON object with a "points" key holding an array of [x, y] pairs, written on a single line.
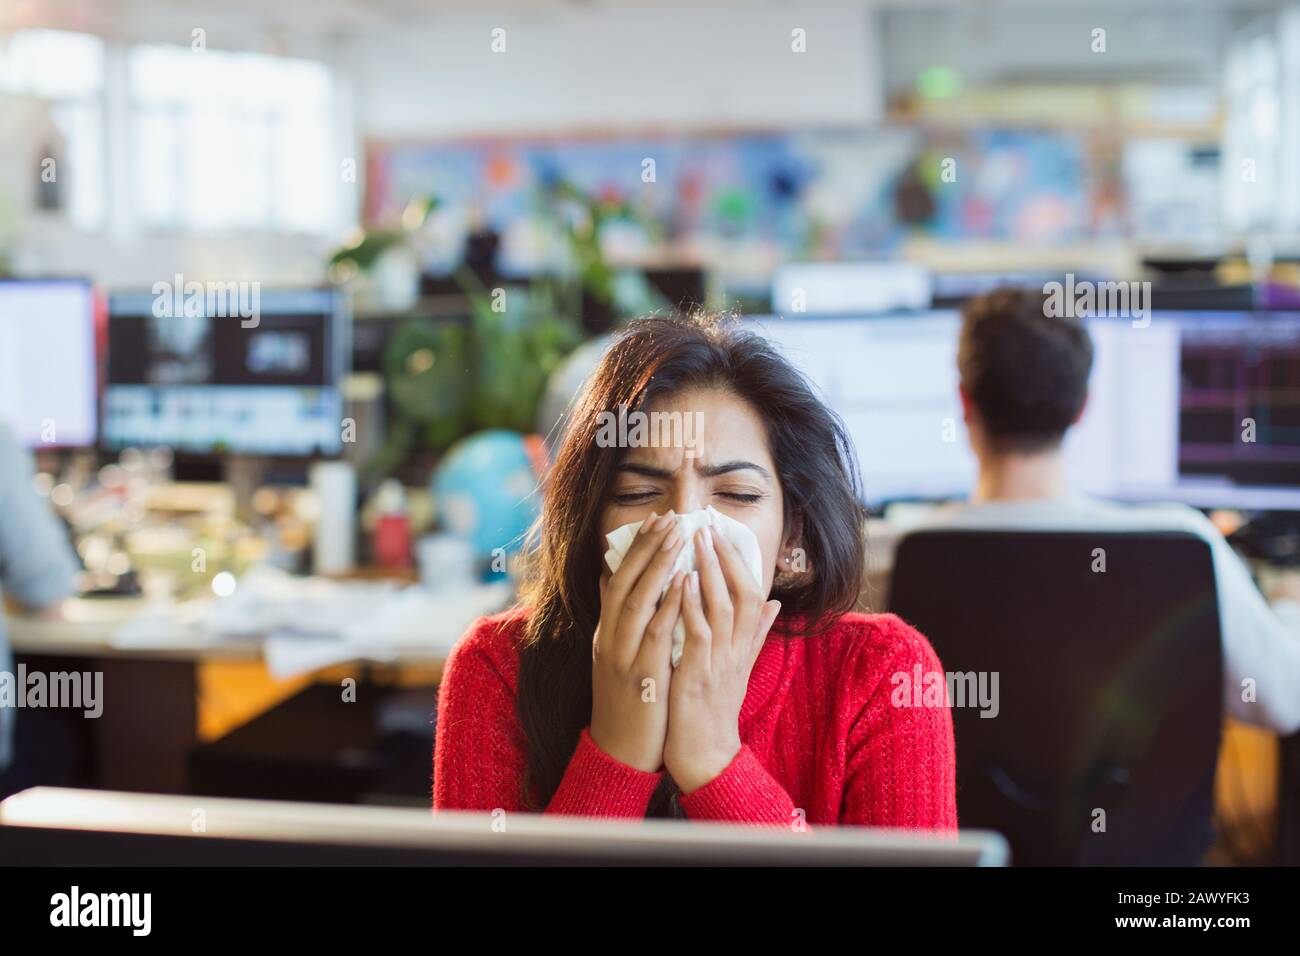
{"points": [[686, 500]]}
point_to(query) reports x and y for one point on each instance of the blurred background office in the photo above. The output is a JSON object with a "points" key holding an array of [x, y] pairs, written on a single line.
{"points": [[296, 295]]}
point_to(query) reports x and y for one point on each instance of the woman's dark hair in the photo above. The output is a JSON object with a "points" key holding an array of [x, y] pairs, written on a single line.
{"points": [[652, 359], [1025, 368]]}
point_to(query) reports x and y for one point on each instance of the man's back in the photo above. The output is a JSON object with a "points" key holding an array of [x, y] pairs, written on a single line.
{"points": [[36, 562]]}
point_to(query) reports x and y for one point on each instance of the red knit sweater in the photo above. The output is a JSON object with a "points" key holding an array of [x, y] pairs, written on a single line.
{"points": [[820, 733]]}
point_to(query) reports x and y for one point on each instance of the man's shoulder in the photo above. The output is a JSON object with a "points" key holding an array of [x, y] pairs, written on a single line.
{"points": [[1078, 512], [1153, 516]]}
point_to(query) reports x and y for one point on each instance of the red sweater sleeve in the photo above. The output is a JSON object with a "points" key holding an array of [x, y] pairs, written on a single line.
{"points": [[901, 758], [479, 756], [744, 793]]}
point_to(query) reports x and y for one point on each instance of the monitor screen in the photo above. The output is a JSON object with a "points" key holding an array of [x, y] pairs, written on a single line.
{"points": [[1169, 413], [201, 382], [1233, 410], [850, 288], [893, 380], [47, 361]]}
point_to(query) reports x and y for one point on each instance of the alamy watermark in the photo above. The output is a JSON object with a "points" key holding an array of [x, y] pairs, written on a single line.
{"points": [[921, 688], [1084, 299], [74, 908], [76, 690], [193, 299], [636, 429]]}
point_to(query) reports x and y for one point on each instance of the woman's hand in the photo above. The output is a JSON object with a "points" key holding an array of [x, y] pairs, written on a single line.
{"points": [[727, 622], [632, 650]]}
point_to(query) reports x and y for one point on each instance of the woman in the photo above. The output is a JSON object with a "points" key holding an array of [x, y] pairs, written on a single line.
{"points": [[780, 710]]}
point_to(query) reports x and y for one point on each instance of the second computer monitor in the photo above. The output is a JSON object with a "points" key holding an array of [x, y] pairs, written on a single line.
{"points": [[1221, 403], [1202, 408], [893, 380], [47, 361], [200, 380]]}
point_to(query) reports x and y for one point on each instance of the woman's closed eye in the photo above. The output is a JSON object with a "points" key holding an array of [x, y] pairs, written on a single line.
{"points": [[640, 496], [742, 497], [635, 497]]}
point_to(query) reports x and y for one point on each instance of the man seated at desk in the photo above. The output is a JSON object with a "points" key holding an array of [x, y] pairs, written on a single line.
{"points": [[1023, 382], [37, 569]]}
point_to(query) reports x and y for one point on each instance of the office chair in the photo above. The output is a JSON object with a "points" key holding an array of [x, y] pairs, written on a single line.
{"points": [[1104, 745], [1288, 803]]}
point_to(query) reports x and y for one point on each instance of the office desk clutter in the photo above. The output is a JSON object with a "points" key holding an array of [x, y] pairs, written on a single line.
{"points": [[358, 619], [304, 624]]}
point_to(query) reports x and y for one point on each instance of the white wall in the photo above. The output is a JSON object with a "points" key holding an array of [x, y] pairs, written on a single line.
{"points": [[991, 43], [567, 68], [51, 247], [623, 66], [122, 253]]}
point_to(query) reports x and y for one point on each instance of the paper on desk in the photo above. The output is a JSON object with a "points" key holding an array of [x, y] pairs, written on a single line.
{"points": [[419, 617], [309, 623], [315, 623], [162, 624], [288, 655], [268, 600]]}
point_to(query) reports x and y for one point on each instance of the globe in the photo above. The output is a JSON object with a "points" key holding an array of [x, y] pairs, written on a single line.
{"points": [[485, 490]]}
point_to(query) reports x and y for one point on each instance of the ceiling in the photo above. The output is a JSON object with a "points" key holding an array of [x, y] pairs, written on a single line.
{"points": [[137, 18]]}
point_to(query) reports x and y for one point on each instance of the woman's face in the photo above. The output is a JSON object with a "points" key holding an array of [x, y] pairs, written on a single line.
{"points": [[722, 460]]}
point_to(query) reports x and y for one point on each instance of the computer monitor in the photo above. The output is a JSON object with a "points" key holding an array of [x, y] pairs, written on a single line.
{"points": [[53, 826], [893, 380], [850, 288], [1210, 412], [47, 361], [200, 379], [953, 289], [1165, 418]]}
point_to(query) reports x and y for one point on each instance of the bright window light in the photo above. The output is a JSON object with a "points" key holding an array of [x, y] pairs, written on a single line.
{"points": [[231, 141], [52, 64], [62, 74]]}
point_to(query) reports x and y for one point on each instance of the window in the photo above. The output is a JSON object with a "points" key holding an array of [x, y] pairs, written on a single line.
{"points": [[231, 141], [1251, 133], [63, 73]]}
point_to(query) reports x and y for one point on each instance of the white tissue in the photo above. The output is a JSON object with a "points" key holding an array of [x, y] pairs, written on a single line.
{"points": [[620, 540]]}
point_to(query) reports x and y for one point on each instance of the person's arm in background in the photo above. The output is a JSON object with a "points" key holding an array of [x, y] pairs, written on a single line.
{"points": [[479, 756], [1257, 645], [37, 565]]}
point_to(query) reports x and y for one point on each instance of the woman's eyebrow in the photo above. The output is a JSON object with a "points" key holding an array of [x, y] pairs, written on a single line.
{"points": [[644, 470], [712, 471], [708, 471]]}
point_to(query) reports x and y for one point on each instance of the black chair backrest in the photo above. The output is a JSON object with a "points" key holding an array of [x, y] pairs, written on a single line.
{"points": [[1107, 652]]}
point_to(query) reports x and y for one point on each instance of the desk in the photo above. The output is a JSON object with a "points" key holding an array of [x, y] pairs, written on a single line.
{"points": [[142, 747], [84, 627]]}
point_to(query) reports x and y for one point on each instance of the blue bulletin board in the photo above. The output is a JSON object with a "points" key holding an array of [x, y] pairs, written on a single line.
{"points": [[830, 194]]}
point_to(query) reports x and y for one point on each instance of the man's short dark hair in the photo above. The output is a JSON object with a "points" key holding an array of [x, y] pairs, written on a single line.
{"points": [[1025, 370]]}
